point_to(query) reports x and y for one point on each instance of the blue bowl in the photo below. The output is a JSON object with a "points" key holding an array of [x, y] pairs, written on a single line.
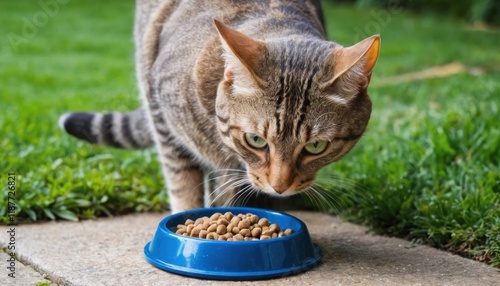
{"points": [[232, 260]]}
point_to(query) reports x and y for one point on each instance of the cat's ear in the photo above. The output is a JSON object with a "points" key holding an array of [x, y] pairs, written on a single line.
{"points": [[358, 59], [243, 54]]}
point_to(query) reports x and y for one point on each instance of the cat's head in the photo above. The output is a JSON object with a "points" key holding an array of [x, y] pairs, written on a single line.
{"points": [[290, 107]]}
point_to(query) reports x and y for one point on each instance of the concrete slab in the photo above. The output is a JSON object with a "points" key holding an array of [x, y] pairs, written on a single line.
{"points": [[22, 275], [109, 251]]}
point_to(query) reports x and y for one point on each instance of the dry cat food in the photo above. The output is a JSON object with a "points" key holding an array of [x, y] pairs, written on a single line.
{"points": [[229, 227]]}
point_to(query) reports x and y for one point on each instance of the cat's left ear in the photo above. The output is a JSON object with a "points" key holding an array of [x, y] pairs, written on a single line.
{"points": [[243, 54], [359, 58]]}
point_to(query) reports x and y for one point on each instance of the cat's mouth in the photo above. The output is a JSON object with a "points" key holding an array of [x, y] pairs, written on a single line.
{"points": [[280, 187]]}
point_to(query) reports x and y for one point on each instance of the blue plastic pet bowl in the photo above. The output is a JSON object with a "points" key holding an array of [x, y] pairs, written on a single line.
{"points": [[232, 260]]}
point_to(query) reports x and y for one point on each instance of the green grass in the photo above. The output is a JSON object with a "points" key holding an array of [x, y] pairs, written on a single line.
{"points": [[82, 59], [427, 168]]}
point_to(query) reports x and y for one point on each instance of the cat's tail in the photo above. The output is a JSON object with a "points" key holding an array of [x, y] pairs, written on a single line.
{"points": [[122, 130]]}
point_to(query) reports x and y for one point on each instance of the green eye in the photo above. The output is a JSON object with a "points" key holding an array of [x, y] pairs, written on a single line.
{"points": [[255, 141], [316, 147]]}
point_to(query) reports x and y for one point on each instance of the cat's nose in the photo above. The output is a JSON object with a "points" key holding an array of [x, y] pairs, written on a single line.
{"points": [[280, 188], [281, 175]]}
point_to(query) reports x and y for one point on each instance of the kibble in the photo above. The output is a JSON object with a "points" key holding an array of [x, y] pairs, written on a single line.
{"points": [[263, 222], [221, 229], [238, 237], [230, 227], [196, 231], [189, 228], [215, 216], [244, 224], [256, 231], [203, 234], [223, 221], [246, 232], [212, 228], [229, 216], [236, 220], [235, 230], [268, 232], [206, 225], [212, 235]]}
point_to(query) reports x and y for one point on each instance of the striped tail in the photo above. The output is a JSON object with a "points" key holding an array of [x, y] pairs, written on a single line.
{"points": [[122, 130]]}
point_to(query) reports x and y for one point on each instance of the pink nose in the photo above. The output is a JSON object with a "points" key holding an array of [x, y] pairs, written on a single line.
{"points": [[280, 188]]}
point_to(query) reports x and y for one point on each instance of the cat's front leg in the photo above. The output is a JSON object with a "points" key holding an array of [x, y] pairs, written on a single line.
{"points": [[183, 177]]}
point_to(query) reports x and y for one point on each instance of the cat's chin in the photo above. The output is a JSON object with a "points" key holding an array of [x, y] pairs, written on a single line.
{"points": [[274, 194], [270, 191]]}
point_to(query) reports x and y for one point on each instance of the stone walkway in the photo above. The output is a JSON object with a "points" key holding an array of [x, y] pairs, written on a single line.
{"points": [[109, 251]]}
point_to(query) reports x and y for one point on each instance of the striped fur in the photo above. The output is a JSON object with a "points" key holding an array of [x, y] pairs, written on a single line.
{"points": [[265, 68], [121, 130]]}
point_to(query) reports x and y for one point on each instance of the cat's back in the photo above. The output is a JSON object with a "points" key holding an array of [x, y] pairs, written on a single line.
{"points": [[181, 28], [187, 25], [195, 17]]}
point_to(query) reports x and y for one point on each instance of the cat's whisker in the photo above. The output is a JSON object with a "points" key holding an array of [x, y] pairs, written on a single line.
{"points": [[311, 195], [220, 195], [215, 178], [327, 202], [345, 184], [225, 187], [233, 200], [227, 178], [334, 179], [228, 173], [235, 182], [334, 202], [250, 191], [322, 202], [229, 181], [349, 186], [236, 172], [343, 190]]}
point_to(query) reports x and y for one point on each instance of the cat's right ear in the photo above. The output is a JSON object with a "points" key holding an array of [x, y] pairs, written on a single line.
{"points": [[354, 64], [243, 54]]}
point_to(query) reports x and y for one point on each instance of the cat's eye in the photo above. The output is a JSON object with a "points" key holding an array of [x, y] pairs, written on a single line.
{"points": [[316, 147], [255, 141]]}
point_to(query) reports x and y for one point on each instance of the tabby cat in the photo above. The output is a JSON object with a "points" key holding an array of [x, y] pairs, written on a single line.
{"points": [[249, 89]]}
